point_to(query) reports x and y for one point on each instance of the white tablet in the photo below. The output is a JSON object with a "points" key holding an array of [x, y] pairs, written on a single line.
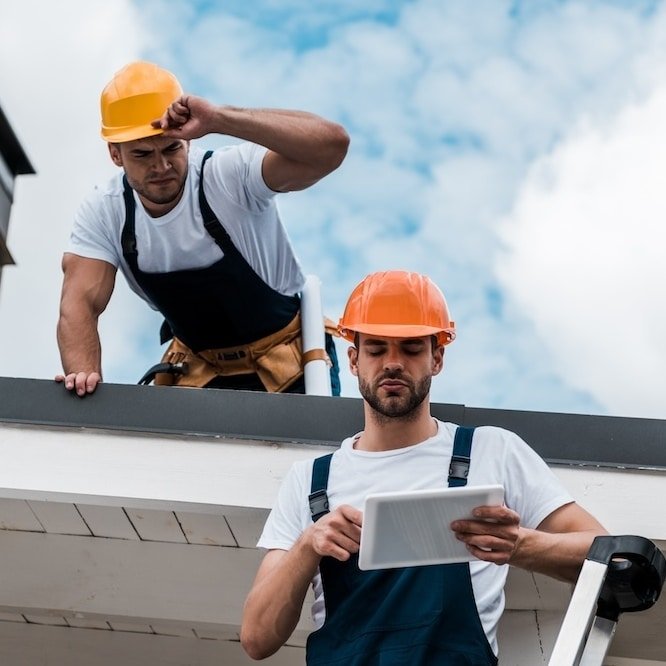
{"points": [[411, 528]]}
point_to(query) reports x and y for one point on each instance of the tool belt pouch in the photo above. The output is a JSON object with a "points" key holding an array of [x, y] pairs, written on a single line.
{"points": [[199, 371], [277, 357], [279, 366]]}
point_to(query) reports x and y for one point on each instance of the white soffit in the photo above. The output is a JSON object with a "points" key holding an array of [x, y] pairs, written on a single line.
{"points": [[140, 471]]}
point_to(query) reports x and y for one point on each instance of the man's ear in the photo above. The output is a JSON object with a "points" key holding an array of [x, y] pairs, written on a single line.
{"points": [[352, 353], [114, 152], [437, 359]]}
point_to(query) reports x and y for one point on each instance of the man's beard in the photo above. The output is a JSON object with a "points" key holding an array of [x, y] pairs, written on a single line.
{"points": [[155, 196], [395, 407]]}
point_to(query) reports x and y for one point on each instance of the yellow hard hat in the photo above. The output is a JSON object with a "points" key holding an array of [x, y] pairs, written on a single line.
{"points": [[397, 304], [138, 94]]}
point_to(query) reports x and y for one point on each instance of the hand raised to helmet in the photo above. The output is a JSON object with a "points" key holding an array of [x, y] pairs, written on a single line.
{"points": [[188, 117]]}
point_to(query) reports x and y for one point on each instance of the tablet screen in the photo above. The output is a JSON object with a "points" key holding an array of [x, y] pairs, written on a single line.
{"points": [[411, 528]]}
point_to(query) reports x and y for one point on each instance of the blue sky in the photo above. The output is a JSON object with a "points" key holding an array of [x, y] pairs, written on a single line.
{"points": [[510, 150]]}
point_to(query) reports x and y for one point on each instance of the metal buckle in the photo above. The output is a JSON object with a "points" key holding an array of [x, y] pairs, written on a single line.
{"points": [[459, 467], [318, 502]]}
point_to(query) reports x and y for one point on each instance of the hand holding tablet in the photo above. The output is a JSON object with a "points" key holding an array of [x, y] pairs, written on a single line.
{"points": [[412, 528]]}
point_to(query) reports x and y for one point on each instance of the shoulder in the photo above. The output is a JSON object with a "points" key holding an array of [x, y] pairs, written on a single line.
{"points": [[296, 487], [498, 437], [103, 203], [506, 448], [105, 193], [236, 157], [238, 169], [483, 436], [500, 451], [300, 474], [98, 223]]}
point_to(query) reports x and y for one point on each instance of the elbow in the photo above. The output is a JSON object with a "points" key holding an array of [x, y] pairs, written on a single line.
{"points": [[333, 149], [254, 647], [339, 145]]}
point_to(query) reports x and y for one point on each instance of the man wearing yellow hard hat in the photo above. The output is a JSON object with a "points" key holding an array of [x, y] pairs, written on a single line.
{"points": [[197, 235], [389, 612]]}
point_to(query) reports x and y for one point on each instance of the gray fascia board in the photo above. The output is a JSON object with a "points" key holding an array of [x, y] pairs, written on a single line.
{"points": [[177, 411], [579, 439], [571, 439]]}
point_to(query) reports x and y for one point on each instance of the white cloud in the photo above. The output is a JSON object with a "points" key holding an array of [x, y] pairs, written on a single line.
{"points": [[585, 258]]}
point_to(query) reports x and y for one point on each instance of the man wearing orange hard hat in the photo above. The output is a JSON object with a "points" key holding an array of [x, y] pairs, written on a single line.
{"points": [[388, 612], [197, 235]]}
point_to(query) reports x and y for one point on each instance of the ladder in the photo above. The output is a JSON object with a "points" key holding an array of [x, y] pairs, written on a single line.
{"points": [[622, 574]]}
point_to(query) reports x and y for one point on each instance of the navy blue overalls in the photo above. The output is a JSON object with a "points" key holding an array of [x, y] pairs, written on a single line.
{"points": [[412, 616], [223, 305]]}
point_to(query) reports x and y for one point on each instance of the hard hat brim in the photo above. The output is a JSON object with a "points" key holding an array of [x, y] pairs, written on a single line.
{"points": [[397, 331], [124, 134]]}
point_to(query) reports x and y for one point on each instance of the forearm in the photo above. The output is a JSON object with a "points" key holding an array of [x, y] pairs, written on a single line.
{"points": [[86, 290], [274, 605], [559, 555], [297, 135], [78, 341]]}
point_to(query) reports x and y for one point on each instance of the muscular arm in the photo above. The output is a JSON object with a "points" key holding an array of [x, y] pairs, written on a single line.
{"points": [[86, 290], [274, 604], [556, 548], [559, 545], [302, 147]]}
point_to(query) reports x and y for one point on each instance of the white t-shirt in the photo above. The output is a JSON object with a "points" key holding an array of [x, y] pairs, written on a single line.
{"points": [[239, 197], [498, 457]]}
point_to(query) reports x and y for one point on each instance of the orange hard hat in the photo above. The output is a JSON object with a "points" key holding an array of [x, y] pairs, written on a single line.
{"points": [[397, 304], [138, 94]]}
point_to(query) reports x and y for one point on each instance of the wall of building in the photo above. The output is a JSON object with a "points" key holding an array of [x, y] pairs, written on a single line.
{"points": [[13, 161]]}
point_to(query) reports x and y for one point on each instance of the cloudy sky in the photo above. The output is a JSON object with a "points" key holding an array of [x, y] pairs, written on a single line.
{"points": [[513, 151]]}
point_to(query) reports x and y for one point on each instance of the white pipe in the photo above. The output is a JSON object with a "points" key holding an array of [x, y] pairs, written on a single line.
{"points": [[317, 373]]}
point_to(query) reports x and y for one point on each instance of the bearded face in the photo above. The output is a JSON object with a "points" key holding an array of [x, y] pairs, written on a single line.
{"points": [[395, 374]]}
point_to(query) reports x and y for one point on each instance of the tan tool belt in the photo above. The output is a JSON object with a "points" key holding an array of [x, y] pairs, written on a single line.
{"points": [[277, 359]]}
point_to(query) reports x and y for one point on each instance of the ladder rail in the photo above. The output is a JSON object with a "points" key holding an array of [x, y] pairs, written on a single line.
{"points": [[578, 620], [598, 641]]}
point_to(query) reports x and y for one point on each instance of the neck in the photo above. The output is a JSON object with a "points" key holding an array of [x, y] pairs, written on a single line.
{"points": [[158, 210], [385, 433]]}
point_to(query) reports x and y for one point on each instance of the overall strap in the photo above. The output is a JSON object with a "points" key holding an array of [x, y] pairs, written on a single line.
{"points": [[211, 223], [130, 252], [462, 450], [318, 497], [128, 236]]}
